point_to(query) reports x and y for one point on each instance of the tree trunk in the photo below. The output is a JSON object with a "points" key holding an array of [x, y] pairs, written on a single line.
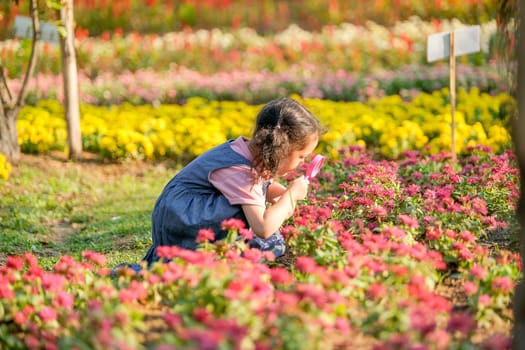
{"points": [[8, 134], [10, 105], [519, 142], [70, 77]]}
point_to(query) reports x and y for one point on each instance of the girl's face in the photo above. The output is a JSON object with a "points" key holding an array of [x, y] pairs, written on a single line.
{"points": [[297, 157]]}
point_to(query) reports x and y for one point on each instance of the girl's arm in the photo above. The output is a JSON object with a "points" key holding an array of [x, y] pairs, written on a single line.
{"points": [[274, 192], [264, 222]]}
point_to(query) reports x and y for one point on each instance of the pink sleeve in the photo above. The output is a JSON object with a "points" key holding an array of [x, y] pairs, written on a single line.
{"points": [[237, 185]]}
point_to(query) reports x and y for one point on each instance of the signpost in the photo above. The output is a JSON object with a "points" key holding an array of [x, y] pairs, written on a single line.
{"points": [[451, 44], [24, 29]]}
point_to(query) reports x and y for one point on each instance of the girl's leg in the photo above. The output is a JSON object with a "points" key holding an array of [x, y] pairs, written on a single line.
{"points": [[275, 243]]}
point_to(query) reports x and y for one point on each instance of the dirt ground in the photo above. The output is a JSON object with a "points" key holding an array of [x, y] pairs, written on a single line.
{"points": [[450, 288]]}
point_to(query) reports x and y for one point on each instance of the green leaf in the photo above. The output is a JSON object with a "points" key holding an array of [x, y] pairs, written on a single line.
{"points": [[54, 4]]}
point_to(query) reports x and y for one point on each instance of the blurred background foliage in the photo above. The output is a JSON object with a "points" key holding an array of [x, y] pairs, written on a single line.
{"points": [[265, 16]]}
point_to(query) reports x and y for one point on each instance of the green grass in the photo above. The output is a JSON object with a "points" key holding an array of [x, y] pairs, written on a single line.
{"points": [[53, 208]]}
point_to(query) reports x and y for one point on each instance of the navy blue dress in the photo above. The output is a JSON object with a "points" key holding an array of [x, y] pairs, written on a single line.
{"points": [[189, 202]]}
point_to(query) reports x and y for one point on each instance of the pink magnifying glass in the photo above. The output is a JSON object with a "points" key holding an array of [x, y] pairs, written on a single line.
{"points": [[314, 166]]}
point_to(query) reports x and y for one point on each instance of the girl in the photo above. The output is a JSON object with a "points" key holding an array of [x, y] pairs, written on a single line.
{"points": [[236, 180]]}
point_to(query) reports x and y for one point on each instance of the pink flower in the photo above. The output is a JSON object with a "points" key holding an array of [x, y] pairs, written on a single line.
{"points": [[420, 320], [439, 338], [451, 234], [461, 322], [172, 320], [234, 290], [478, 272], [63, 300], [202, 315], [31, 341], [53, 281], [470, 288], [408, 221], [480, 206], [412, 190], [253, 254], [467, 236], [502, 284], [305, 264], [232, 224], [485, 300], [496, 342], [376, 291], [286, 299], [399, 270], [134, 292], [205, 235], [342, 325], [280, 275], [246, 233], [416, 175], [94, 257], [394, 232], [5, 290], [15, 262], [379, 211], [465, 255], [433, 233], [20, 318], [47, 314], [31, 260]]}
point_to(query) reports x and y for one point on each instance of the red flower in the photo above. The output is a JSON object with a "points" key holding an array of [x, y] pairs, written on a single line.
{"points": [[47, 314], [232, 224], [202, 315], [496, 342], [5, 290], [172, 320], [408, 221], [461, 322], [53, 282], [305, 264], [478, 272], [467, 236], [281, 275], [64, 300], [94, 257], [502, 284], [205, 235], [234, 290], [485, 300], [246, 233], [15, 262], [470, 288], [421, 320], [376, 291]]}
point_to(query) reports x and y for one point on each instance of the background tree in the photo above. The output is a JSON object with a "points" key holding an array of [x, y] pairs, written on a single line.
{"points": [[10, 105], [512, 50], [70, 77], [519, 141]]}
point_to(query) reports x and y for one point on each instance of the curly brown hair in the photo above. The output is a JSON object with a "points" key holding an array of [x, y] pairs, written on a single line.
{"points": [[283, 125]]}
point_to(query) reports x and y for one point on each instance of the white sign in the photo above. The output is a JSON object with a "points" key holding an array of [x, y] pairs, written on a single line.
{"points": [[24, 29], [466, 40]]}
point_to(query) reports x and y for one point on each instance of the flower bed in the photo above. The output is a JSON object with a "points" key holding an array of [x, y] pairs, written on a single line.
{"points": [[177, 85], [362, 48], [145, 16], [371, 246], [388, 125]]}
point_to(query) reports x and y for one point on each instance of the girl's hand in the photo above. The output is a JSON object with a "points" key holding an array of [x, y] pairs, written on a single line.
{"points": [[299, 188]]}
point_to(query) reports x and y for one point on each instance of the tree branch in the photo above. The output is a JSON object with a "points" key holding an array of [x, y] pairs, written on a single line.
{"points": [[34, 53], [5, 95]]}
